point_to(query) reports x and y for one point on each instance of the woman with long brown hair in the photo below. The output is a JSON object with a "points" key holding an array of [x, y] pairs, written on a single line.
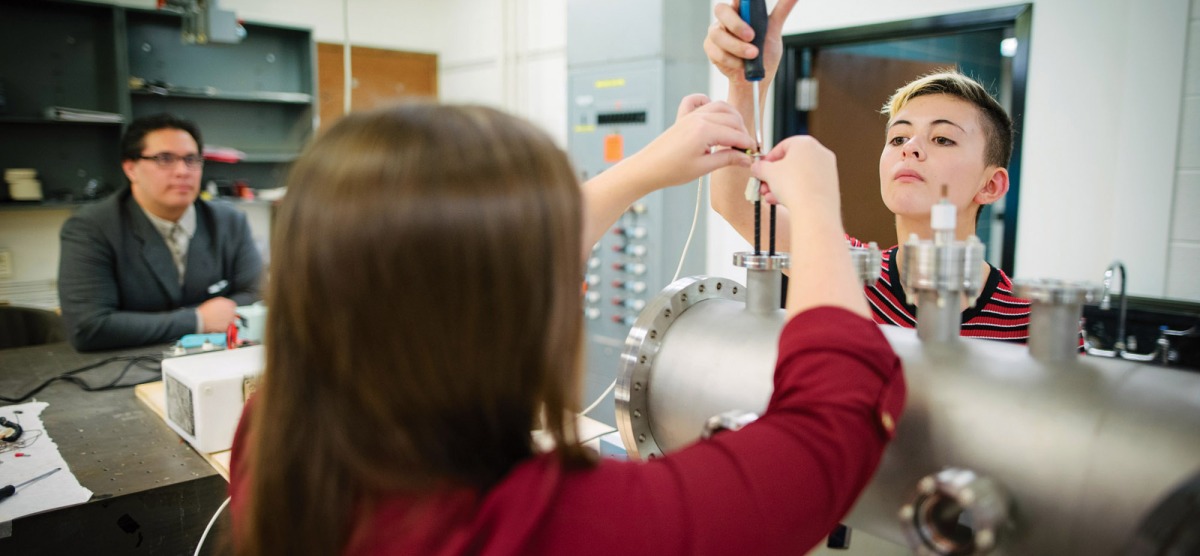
{"points": [[426, 316]]}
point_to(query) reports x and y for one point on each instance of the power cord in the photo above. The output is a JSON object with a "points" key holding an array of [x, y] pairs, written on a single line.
{"points": [[142, 361], [691, 232], [210, 524], [678, 269], [595, 436]]}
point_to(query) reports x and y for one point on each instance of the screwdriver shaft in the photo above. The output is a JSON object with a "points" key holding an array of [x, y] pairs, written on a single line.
{"points": [[758, 131], [10, 490]]}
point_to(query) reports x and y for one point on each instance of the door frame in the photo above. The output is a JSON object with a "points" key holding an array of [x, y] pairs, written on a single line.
{"points": [[788, 120]]}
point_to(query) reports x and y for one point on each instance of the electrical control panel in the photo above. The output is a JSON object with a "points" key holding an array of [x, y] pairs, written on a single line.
{"points": [[614, 110]]}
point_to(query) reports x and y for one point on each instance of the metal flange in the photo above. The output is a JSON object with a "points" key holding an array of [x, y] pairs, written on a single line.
{"points": [[642, 345]]}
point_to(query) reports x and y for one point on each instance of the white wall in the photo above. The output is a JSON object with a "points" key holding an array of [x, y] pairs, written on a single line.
{"points": [[511, 54], [1183, 270], [1101, 132], [32, 238]]}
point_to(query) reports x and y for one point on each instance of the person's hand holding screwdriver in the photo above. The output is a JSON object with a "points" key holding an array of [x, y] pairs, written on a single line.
{"points": [[729, 44]]}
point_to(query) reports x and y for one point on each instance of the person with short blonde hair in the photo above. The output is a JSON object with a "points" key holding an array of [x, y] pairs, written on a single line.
{"points": [[997, 125], [944, 133]]}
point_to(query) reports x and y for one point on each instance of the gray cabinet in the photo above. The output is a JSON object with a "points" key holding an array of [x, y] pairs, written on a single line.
{"points": [[257, 96], [57, 54]]}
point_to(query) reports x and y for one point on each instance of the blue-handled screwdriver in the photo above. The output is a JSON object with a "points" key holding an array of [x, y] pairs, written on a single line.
{"points": [[10, 490], [754, 12]]}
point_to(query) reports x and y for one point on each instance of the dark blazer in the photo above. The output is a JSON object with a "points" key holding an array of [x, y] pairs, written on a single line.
{"points": [[118, 286]]}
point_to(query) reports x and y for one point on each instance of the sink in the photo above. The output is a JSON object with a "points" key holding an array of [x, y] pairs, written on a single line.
{"points": [[1145, 318]]}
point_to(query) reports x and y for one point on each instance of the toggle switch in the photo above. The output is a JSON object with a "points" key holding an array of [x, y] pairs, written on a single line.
{"points": [[635, 304], [592, 297], [635, 250], [626, 320], [636, 232], [636, 269], [592, 313], [635, 287]]}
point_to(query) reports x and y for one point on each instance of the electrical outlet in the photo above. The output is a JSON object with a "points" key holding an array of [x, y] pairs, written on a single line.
{"points": [[6, 264]]}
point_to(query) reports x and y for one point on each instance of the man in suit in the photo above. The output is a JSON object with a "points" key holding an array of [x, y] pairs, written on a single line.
{"points": [[152, 262]]}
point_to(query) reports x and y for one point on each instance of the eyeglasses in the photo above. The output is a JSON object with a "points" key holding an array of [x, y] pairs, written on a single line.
{"points": [[168, 160]]}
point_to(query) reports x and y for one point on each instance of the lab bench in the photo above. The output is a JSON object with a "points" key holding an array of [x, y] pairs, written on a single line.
{"points": [[152, 494]]}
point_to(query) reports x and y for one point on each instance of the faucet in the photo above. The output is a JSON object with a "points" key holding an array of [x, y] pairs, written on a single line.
{"points": [[1106, 303], [1117, 270], [1162, 349]]}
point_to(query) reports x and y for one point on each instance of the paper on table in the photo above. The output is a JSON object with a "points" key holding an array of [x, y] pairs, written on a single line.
{"points": [[57, 490]]}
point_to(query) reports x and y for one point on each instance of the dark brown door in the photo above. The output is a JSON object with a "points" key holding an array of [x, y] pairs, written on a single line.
{"points": [[850, 91]]}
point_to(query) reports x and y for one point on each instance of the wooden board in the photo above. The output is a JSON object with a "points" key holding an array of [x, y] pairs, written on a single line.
{"points": [[153, 394]]}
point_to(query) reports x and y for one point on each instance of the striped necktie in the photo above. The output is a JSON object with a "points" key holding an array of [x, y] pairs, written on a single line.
{"points": [[175, 242]]}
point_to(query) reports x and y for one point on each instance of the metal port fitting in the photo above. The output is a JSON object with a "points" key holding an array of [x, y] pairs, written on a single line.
{"points": [[1055, 307], [867, 261], [778, 261], [956, 512]]}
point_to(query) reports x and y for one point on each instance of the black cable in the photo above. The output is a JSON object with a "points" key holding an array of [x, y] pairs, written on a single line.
{"points": [[758, 227], [772, 251], [70, 376]]}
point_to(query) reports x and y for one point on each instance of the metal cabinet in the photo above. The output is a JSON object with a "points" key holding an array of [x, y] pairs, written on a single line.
{"points": [[256, 96]]}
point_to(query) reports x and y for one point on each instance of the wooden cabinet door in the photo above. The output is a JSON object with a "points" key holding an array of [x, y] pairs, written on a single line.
{"points": [[380, 77]]}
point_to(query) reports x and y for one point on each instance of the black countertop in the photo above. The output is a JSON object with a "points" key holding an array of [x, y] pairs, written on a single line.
{"points": [[152, 493]]}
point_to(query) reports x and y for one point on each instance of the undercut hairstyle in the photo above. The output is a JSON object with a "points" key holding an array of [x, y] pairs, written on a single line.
{"points": [[425, 318], [997, 125], [134, 140]]}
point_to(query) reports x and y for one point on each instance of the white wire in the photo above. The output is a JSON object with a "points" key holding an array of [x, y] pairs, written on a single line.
{"points": [[600, 399], [596, 436], [210, 524], [691, 232], [678, 269]]}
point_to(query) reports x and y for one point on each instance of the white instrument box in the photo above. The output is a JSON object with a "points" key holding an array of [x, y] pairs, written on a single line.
{"points": [[205, 394]]}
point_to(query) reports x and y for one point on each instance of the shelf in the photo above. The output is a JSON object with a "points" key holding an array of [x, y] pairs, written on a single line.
{"points": [[267, 97], [257, 95], [41, 205], [251, 202], [38, 121], [14, 206], [270, 157], [255, 158]]}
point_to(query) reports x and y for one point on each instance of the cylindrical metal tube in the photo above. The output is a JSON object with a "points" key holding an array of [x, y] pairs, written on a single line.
{"points": [[1084, 448], [764, 291], [1054, 313], [764, 280], [1054, 331], [939, 315], [866, 262]]}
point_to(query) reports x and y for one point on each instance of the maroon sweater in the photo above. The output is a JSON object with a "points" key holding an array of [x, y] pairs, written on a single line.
{"points": [[778, 486]]}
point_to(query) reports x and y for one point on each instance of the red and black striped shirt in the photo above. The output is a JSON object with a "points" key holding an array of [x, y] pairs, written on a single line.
{"points": [[996, 315]]}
